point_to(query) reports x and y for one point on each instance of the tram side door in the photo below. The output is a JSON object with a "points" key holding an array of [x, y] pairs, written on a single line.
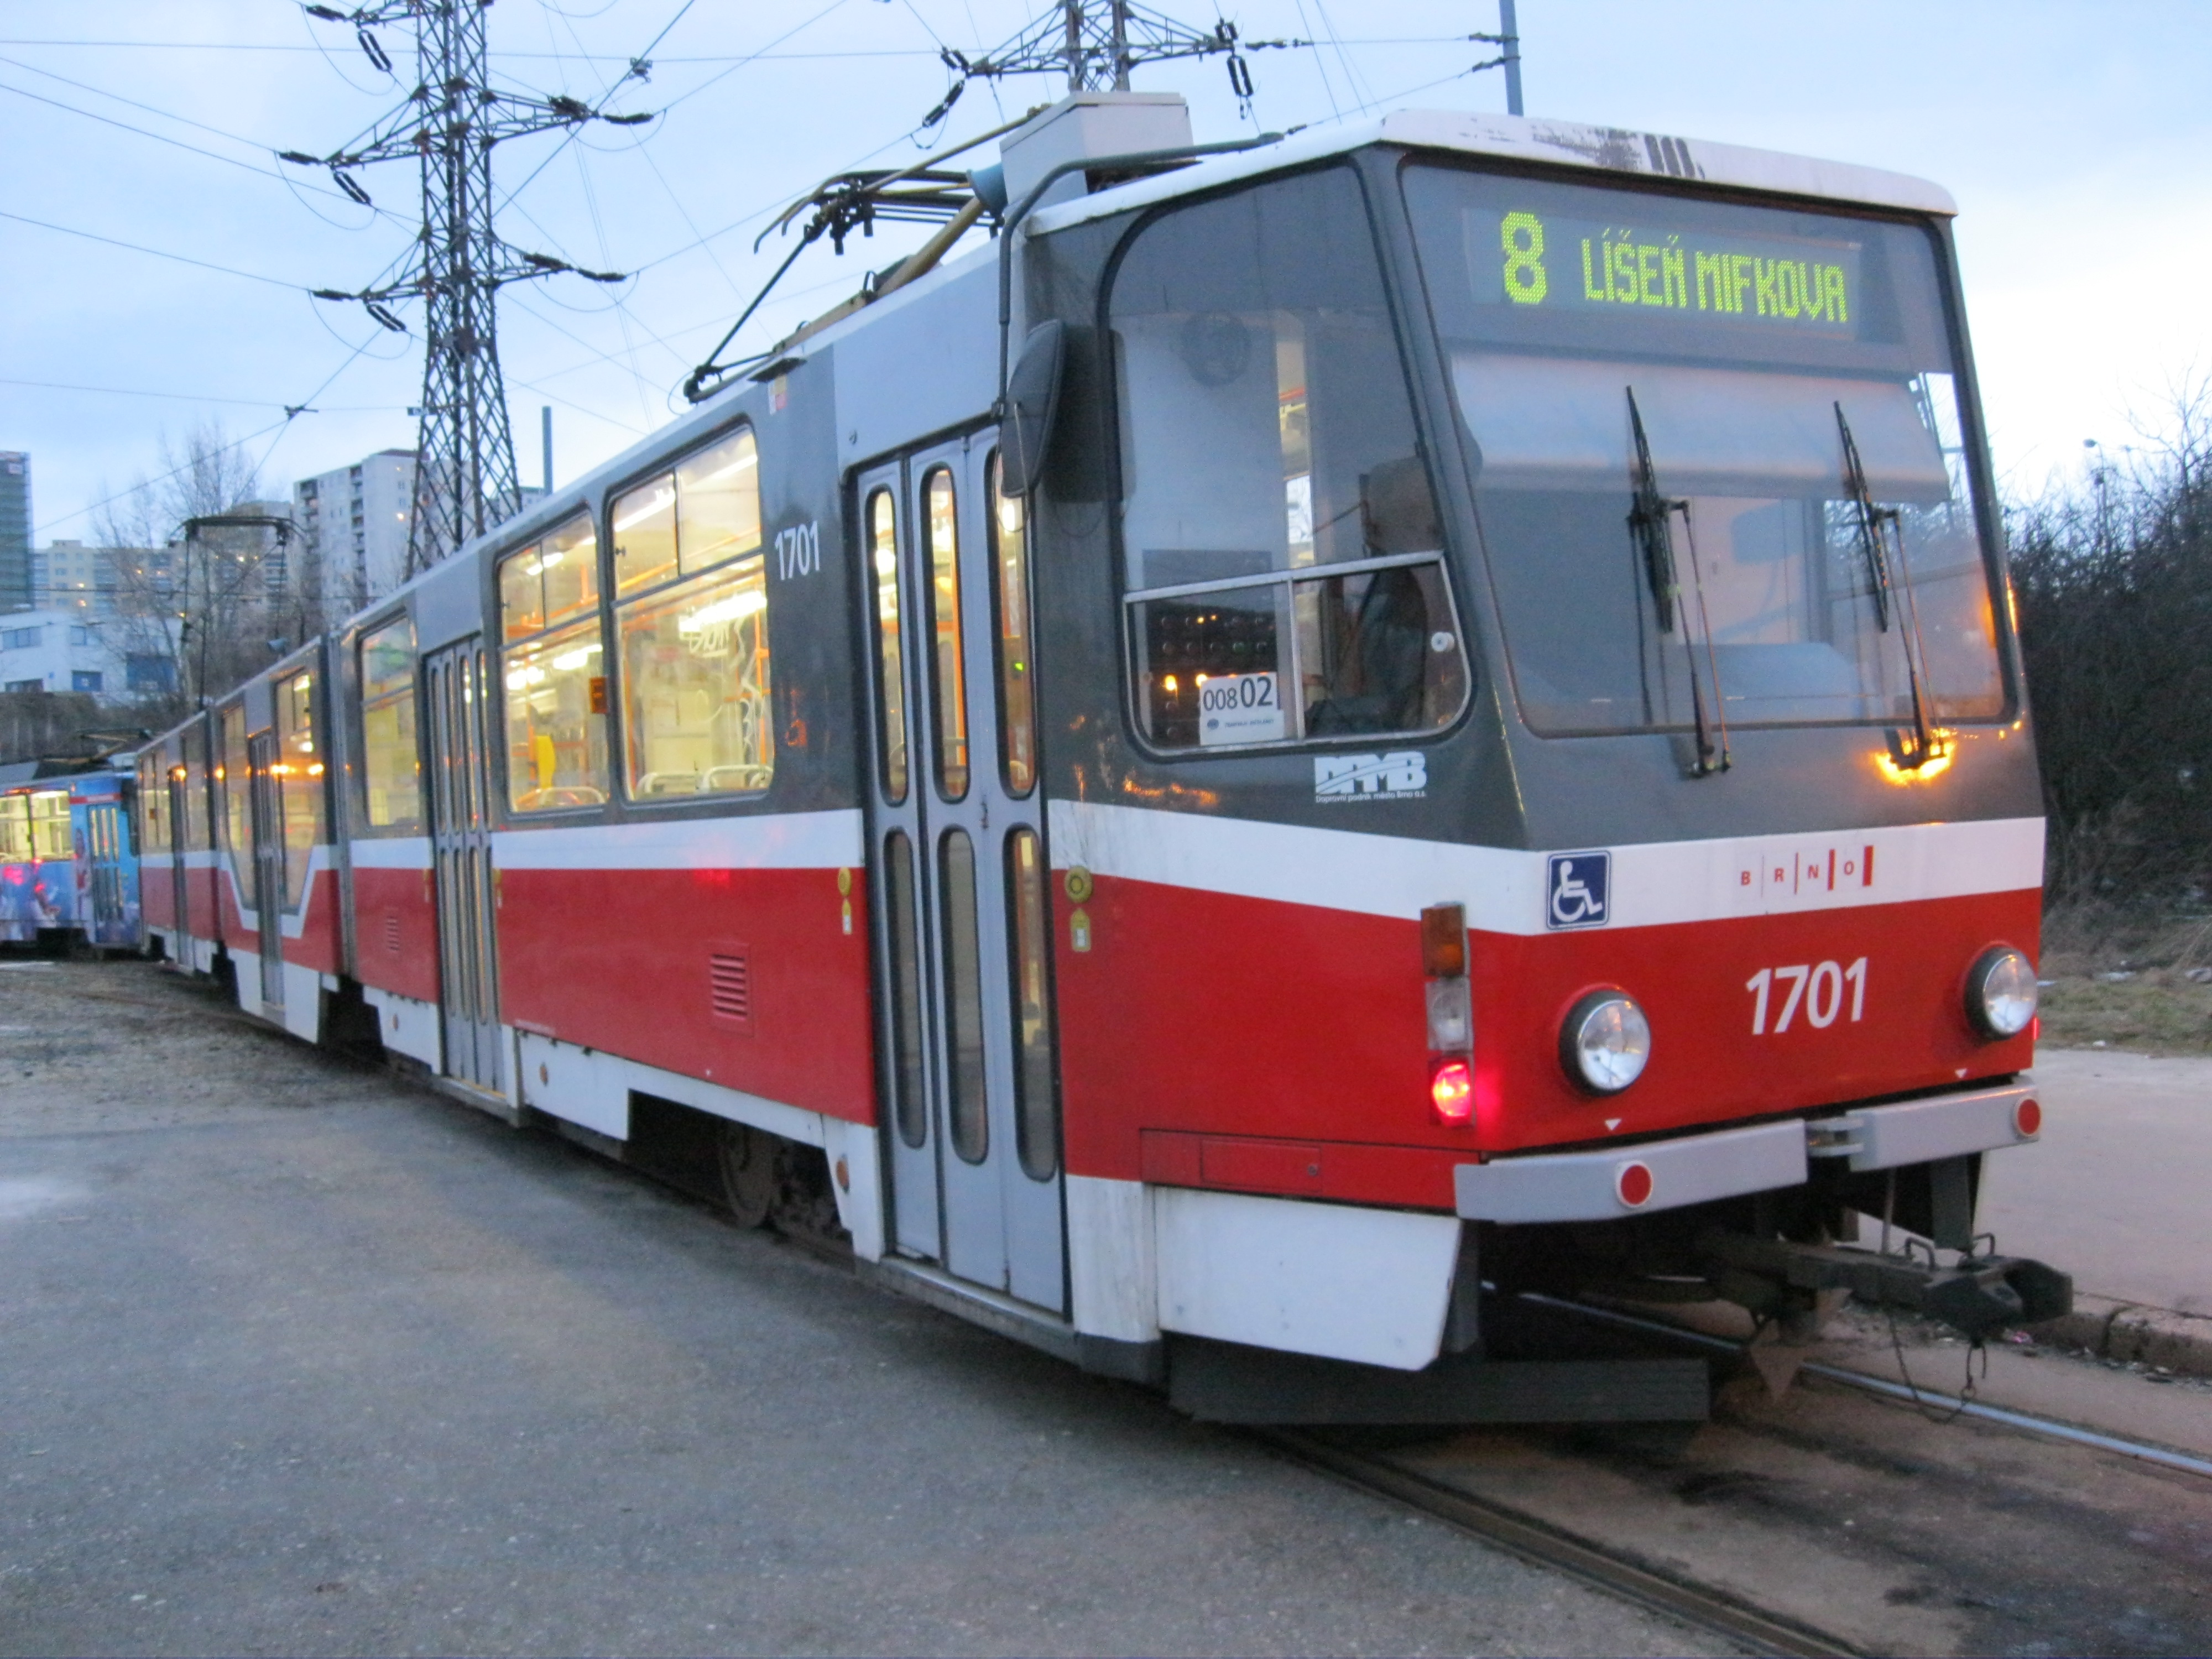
{"points": [[460, 852], [268, 815], [960, 869], [181, 880], [103, 912]]}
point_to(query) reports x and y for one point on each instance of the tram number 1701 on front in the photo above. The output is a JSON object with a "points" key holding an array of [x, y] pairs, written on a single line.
{"points": [[1819, 989]]}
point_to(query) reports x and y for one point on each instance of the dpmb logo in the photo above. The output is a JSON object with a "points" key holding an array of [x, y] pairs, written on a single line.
{"points": [[1577, 890], [1402, 776]]}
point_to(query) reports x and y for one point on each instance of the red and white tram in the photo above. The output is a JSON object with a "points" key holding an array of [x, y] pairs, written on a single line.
{"points": [[1451, 728]]}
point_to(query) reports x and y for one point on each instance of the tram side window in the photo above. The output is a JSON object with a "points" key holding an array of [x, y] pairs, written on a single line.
{"points": [[237, 779], [554, 666], [15, 829], [300, 774], [50, 825], [1283, 555], [391, 760], [691, 580]]}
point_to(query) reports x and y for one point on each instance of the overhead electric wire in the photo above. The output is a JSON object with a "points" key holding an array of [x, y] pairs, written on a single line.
{"points": [[1327, 87], [163, 138], [159, 254], [735, 58], [642, 59], [292, 412], [201, 398], [117, 97], [740, 63]]}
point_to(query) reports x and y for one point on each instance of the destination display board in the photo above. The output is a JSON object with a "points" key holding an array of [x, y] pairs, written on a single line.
{"points": [[1521, 256]]}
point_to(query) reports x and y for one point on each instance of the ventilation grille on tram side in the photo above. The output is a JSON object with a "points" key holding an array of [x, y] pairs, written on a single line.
{"points": [[391, 932], [730, 987]]}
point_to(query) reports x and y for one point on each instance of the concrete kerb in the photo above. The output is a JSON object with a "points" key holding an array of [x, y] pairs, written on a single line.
{"points": [[2133, 1334]]}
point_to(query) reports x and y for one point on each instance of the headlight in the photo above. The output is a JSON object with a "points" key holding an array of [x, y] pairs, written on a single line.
{"points": [[2001, 992], [1606, 1041]]}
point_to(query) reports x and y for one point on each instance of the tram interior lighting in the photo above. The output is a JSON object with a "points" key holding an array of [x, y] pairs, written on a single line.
{"points": [[736, 608], [663, 497], [747, 459]]}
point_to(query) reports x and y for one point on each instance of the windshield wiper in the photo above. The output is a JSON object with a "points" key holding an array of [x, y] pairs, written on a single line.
{"points": [[1888, 582], [1647, 517]]}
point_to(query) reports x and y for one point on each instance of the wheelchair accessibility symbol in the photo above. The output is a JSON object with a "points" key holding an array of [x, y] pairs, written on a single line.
{"points": [[1578, 889]]}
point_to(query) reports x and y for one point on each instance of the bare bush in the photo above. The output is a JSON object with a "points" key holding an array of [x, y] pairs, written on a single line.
{"points": [[2114, 589], [213, 602]]}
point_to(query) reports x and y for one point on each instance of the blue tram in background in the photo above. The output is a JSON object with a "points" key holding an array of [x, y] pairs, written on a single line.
{"points": [[68, 867]]}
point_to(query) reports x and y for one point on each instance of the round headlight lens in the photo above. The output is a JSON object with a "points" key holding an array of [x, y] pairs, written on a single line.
{"points": [[1606, 1041], [2001, 992]]}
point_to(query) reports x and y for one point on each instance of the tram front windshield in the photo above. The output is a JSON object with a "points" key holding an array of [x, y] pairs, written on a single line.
{"points": [[1760, 350]]}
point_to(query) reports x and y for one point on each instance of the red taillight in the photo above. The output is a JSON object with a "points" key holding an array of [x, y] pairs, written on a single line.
{"points": [[2027, 1119], [1633, 1185], [1451, 1090]]}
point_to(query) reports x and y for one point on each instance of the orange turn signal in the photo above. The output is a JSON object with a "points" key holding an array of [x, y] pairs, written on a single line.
{"points": [[1443, 941]]}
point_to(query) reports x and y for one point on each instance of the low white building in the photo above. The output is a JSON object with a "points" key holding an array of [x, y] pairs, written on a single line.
{"points": [[66, 649]]}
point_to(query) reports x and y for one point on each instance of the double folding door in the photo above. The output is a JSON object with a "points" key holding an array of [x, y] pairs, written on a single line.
{"points": [[458, 681], [959, 873]]}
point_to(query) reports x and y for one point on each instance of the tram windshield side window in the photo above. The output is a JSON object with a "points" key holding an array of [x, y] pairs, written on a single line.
{"points": [[1283, 557], [1794, 379], [391, 759], [554, 666], [692, 616]]}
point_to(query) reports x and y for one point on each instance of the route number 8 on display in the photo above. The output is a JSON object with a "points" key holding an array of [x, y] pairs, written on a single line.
{"points": [[1819, 990]]}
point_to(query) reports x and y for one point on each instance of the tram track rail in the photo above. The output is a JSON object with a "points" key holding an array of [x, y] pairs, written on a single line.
{"points": [[1541, 1542], [1628, 1572], [2052, 1428]]}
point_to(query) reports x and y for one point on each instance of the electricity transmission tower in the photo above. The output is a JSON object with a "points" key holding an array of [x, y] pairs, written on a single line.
{"points": [[1096, 47], [466, 480]]}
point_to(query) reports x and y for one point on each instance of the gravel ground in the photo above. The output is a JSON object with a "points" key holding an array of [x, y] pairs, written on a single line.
{"points": [[294, 1358]]}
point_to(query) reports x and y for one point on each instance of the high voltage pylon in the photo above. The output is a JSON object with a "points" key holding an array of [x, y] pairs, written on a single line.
{"points": [[1096, 46], [466, 480]]}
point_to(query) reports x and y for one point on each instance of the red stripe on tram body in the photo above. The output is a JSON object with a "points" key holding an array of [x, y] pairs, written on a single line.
{"points": [[622, 961], [1204, 1014]]}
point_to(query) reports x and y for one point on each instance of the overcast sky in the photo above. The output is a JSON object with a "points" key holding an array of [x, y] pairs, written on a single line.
{"points": [[2074, 136]]}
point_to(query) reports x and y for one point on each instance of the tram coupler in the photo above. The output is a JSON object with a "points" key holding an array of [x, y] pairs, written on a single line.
{"points": [[1978, 1296]]}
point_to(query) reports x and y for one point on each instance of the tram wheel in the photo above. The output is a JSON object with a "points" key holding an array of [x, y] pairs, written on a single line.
{"points": [[749, 1175]]}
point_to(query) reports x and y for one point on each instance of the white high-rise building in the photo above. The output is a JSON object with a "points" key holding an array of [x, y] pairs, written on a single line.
{"points": [[352, 523]]}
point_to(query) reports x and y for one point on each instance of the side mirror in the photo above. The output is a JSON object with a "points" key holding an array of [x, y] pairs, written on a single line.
{"points": [[1032, 401]]}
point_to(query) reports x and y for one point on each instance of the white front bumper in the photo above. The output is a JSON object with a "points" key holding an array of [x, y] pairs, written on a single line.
{"points": [[1695, 1168]]}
